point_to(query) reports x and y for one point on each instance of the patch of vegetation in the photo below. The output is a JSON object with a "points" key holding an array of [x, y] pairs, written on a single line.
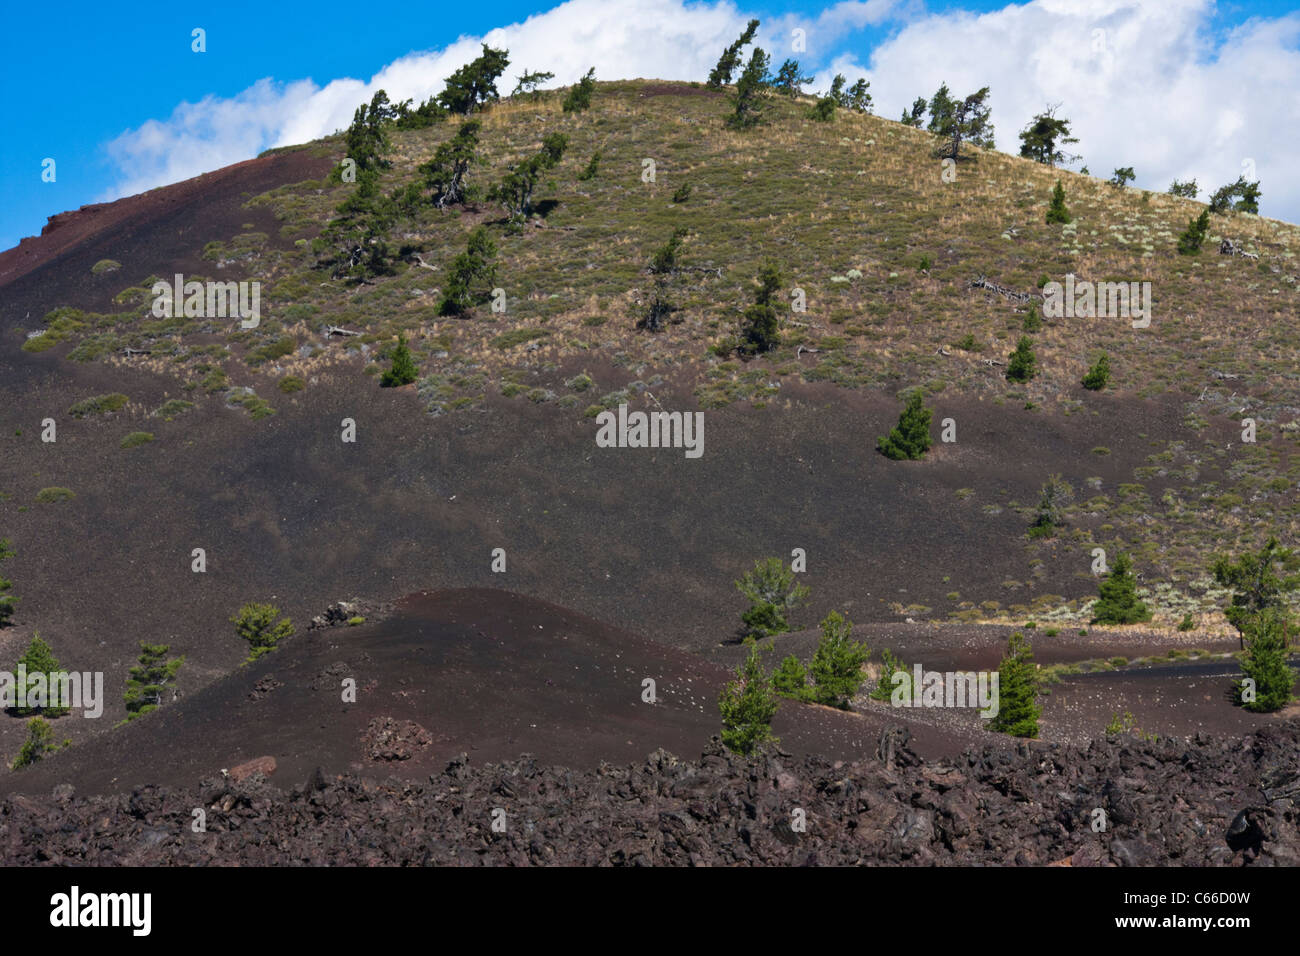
{"points": [[136, 439]]}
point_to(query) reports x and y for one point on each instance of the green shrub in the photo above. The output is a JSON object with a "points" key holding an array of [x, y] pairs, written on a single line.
{"points": [[891, 665], [291, 383], [135, 439], [99, 405], [791, 680], [38, 659], [1267, 678], [48, 496], [1056, 212], [1020, 364], [1189, 243], [403, 370], [105, 265], [144, 686]]}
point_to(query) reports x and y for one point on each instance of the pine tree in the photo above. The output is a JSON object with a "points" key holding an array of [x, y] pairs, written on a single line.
{"points": [[1122, 177], [1020, 363], [1267, 637], [1117, 600], [837, 663], [443, 176], [790, 679], [471, 272], [760, 330], [1187, 190], [748, 705], [39, 743], [750, 90], [789, 79], [772, 594], [579, 97], [256, 623], [515, 191], [38, 659], [403, 370], [529, 83], [889, 666], [144, 686], [1189, 243], [1098, 377], [909, 440], [720, 75], [1017, 691], [663, 267], [1053, 497], [474, 85], [914, 116], [1057, 212], [7, 600], [958, 121], [1033, 320], [1256, 582], [1042, 138]]}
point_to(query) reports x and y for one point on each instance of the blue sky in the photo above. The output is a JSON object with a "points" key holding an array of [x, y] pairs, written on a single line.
{"points": [[94, 76]]}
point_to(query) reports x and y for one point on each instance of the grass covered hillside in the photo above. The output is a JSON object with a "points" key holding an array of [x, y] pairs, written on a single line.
{"points": [[861, 221]]}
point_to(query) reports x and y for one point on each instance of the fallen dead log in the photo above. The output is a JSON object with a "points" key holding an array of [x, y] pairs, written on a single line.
{"points": [[131, 351], [1011, 295], [338, 330]]}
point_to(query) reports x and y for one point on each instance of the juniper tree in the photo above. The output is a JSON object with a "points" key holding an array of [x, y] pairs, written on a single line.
{"points": [[403, 370], [747, 705], [750, 90], [823, 111], [1098, 377], [760, 329], [144, 686], [471, 274], [1042, 138], [772, 595], [1020, 363], [1258, 581], [1017, 691], [837, 663], [35, 694], [474, 85], [257, 624], [579, 96], [529, 83], [1056, 211], [663, 269], [721, 74], [789, 80], [1117, 600], [909, 440], [7, 600], [1189, 243], [1267, 678], [515, 191]]}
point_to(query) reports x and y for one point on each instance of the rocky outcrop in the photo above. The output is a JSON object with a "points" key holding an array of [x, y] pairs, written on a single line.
{"points": [[1120, 801]]}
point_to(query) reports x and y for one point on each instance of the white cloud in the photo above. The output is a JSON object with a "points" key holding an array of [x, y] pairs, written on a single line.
{"points": [[1140, 80]]}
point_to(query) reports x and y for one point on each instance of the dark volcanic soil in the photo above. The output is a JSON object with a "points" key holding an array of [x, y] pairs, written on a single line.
{"points": [[1196, 802]]}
